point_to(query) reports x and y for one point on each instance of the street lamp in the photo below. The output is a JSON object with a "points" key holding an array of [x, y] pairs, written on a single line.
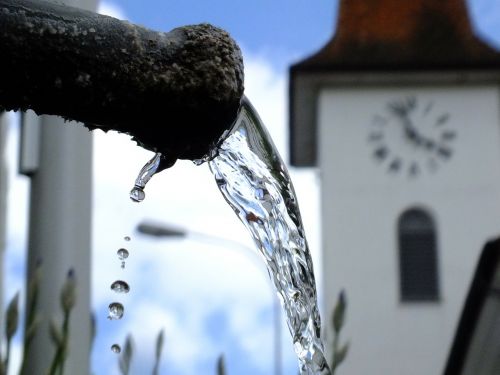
{"points": [[167, 231]]}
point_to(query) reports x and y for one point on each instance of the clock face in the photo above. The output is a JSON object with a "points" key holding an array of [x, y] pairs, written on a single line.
{"points": [[412, 136]]}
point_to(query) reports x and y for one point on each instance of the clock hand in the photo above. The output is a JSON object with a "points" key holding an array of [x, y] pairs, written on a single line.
{"points": [[417, 138], [411, 131], [401, 111]]}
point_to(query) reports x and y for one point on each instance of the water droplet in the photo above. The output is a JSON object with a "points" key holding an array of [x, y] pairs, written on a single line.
{"points": [[126, 238], [115, 348], [137, 194], [122, 253], [115, 310], [120, 286]]}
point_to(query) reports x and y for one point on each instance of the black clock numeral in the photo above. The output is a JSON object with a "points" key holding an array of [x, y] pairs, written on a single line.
{"points": [[448, 135], [442, 119], [428, 108], [444, 152], [381, 153], [429, 144], [411, 103], [402, 107], [395, 165], [414, 169]]}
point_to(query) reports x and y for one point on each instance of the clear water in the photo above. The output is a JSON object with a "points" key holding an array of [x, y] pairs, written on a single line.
{"points": [[120, 286], [115, 348], [122, 255], [137, 193], [254, 181], [115, 311]]}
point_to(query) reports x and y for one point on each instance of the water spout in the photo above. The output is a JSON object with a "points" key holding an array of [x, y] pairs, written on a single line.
{"points": [[254, 181]]}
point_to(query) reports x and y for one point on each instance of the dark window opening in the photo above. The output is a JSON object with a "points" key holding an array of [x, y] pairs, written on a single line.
{"points": [[419, 279]]}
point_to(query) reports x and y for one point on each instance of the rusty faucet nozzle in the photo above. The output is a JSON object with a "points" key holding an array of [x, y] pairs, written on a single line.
{"points": [[174, 92]]}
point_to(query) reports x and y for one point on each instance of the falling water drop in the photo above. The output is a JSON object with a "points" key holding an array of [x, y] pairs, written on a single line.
{"points": [[137, 193], [122, 255], [115, 311], [126, 238], [120, 286], [115, 348]]}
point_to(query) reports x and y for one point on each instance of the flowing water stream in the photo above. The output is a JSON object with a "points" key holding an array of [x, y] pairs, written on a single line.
{"points": [[254, 181]]}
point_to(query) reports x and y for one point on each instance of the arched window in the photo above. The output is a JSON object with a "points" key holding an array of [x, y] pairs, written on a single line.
{"points": [[419, 279]]}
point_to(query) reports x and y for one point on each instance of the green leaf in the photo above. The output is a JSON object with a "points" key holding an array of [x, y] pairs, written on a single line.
{"points": [[68, 292], [12, 317], [159, 344], [342, 353], [55, 333], [33, 326], [221, 365], [126, 357], [159, 348], [339, 312]]}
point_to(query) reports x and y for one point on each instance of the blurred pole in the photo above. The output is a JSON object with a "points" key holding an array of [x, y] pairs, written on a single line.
{"points": [[3, 208], [60, 234]]}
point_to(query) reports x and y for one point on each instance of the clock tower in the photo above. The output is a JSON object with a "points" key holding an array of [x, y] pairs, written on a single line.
{"points": [[400, 113]]}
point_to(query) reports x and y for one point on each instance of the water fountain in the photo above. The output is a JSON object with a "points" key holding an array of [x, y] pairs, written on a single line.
{"points": [[195, 74], [254, 181]]}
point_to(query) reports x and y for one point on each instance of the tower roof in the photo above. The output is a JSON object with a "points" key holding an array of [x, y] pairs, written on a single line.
{"points": [[377, 39], [395, 34]]}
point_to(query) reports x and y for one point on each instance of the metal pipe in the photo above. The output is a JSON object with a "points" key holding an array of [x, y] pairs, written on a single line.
{"points": [[174, 92]]}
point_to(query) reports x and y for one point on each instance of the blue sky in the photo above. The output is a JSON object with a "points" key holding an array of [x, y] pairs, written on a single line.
{"points": [[209, 299], [280, 29]]}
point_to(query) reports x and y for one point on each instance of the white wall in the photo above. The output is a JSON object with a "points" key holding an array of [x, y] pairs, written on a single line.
{"points": [[361, 202]]}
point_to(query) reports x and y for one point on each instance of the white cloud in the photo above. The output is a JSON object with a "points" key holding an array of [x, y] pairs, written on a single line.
{"points": [[267, 90], [111, 9]]}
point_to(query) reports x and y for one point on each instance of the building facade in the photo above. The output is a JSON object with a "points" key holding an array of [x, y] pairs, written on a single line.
{"points": [[400, 113]]}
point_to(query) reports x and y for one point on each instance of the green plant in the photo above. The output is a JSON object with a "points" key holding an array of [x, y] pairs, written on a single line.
{"points": [[11, 325], [60, 335], [159, 348], [339, 353], [126, 356], [32, 316], [221, 365]]}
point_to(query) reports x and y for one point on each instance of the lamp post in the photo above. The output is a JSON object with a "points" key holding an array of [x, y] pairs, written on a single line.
{"points": [[163, 230]]}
